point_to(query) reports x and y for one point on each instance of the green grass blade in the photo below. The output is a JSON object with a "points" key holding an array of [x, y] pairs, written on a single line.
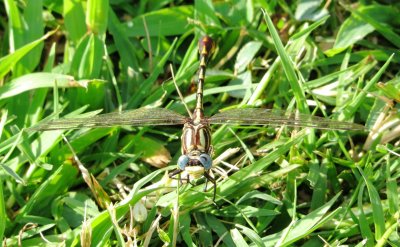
{"points": [[101, 224], [288, 66], [377, 208], [58, 182], [92, 58], [97, 16], [9, 61], [392, 193], [220, 229], [306, 31], [304, 226], [3, 215], [146, 85], [123, 45], [252, 235], [362, 220], [350, 109], [74, 20], [164, 22], [35, 29], [15, 26], [238, 238], [385, 30], [39, 80]]}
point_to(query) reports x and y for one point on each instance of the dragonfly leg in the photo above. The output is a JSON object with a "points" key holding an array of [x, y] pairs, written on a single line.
{"points": [[174, 173], [212, 180], [188, 180], [179, 171]]}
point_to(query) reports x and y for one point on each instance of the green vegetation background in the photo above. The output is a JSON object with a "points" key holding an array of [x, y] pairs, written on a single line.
{"points": [[283, 187]]}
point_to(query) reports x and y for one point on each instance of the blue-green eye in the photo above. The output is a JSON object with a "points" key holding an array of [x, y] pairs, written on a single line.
{"points": [[182, 161], [206, 161]]}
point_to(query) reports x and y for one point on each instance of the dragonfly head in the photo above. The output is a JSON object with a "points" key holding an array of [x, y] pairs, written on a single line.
{"points": [[206, 46], [202, 160]]}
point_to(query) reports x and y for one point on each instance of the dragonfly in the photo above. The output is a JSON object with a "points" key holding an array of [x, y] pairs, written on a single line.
{"points": [[196, 146]]}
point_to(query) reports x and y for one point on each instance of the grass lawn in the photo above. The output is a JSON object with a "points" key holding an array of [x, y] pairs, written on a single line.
{"points": [[277, 185]]}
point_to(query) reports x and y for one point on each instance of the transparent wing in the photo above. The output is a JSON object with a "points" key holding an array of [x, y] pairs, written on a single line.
{"points": [[137, 117], [257, 116]]}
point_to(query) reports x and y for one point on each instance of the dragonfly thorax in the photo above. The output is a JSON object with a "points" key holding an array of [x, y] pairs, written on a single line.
{"points": [[196, 138], [196, 147]]}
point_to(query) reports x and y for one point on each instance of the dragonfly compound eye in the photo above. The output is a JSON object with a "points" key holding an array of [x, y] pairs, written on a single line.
{"points": [[206, 46], [206, 161], [183, 161]]}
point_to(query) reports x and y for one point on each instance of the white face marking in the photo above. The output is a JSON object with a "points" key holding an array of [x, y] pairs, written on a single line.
{"points": [[189, 138], [202, 139], [195, 172]]}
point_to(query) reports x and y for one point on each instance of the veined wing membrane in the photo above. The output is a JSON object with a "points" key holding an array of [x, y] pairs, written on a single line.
{"points": [[137, 117], [257, 116]]}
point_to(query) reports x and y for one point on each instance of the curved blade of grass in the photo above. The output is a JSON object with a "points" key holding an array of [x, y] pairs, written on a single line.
{"points": [[97, 16], [184, 223], [306, 31], [163, 22], [28, 238], [220, 229], [238, 238], [205, 13], [288, 67], [377, 210], [116, 228], [9, 61], [74, 20], [3, 120], [259, 195], [55, 185], [385, 30], [392, 193], [246, 55], [252, 235], [102, 225], [16, 29], [351, 108], [39, 80], [90, 60], [347, 75], [124, 46], [303, 227], [145, 86], [310, 10], [3, 215], [262, 85], [361, 219]]}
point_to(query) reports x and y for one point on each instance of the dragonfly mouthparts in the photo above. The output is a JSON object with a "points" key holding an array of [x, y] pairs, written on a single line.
{"points": [[194, 162]]}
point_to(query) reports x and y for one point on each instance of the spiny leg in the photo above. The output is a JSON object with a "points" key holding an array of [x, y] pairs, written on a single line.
{"points": [[179, 171], [174, 173]]}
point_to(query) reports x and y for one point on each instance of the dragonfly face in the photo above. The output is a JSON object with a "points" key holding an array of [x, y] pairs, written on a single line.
{"points": [[195, 164]]}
